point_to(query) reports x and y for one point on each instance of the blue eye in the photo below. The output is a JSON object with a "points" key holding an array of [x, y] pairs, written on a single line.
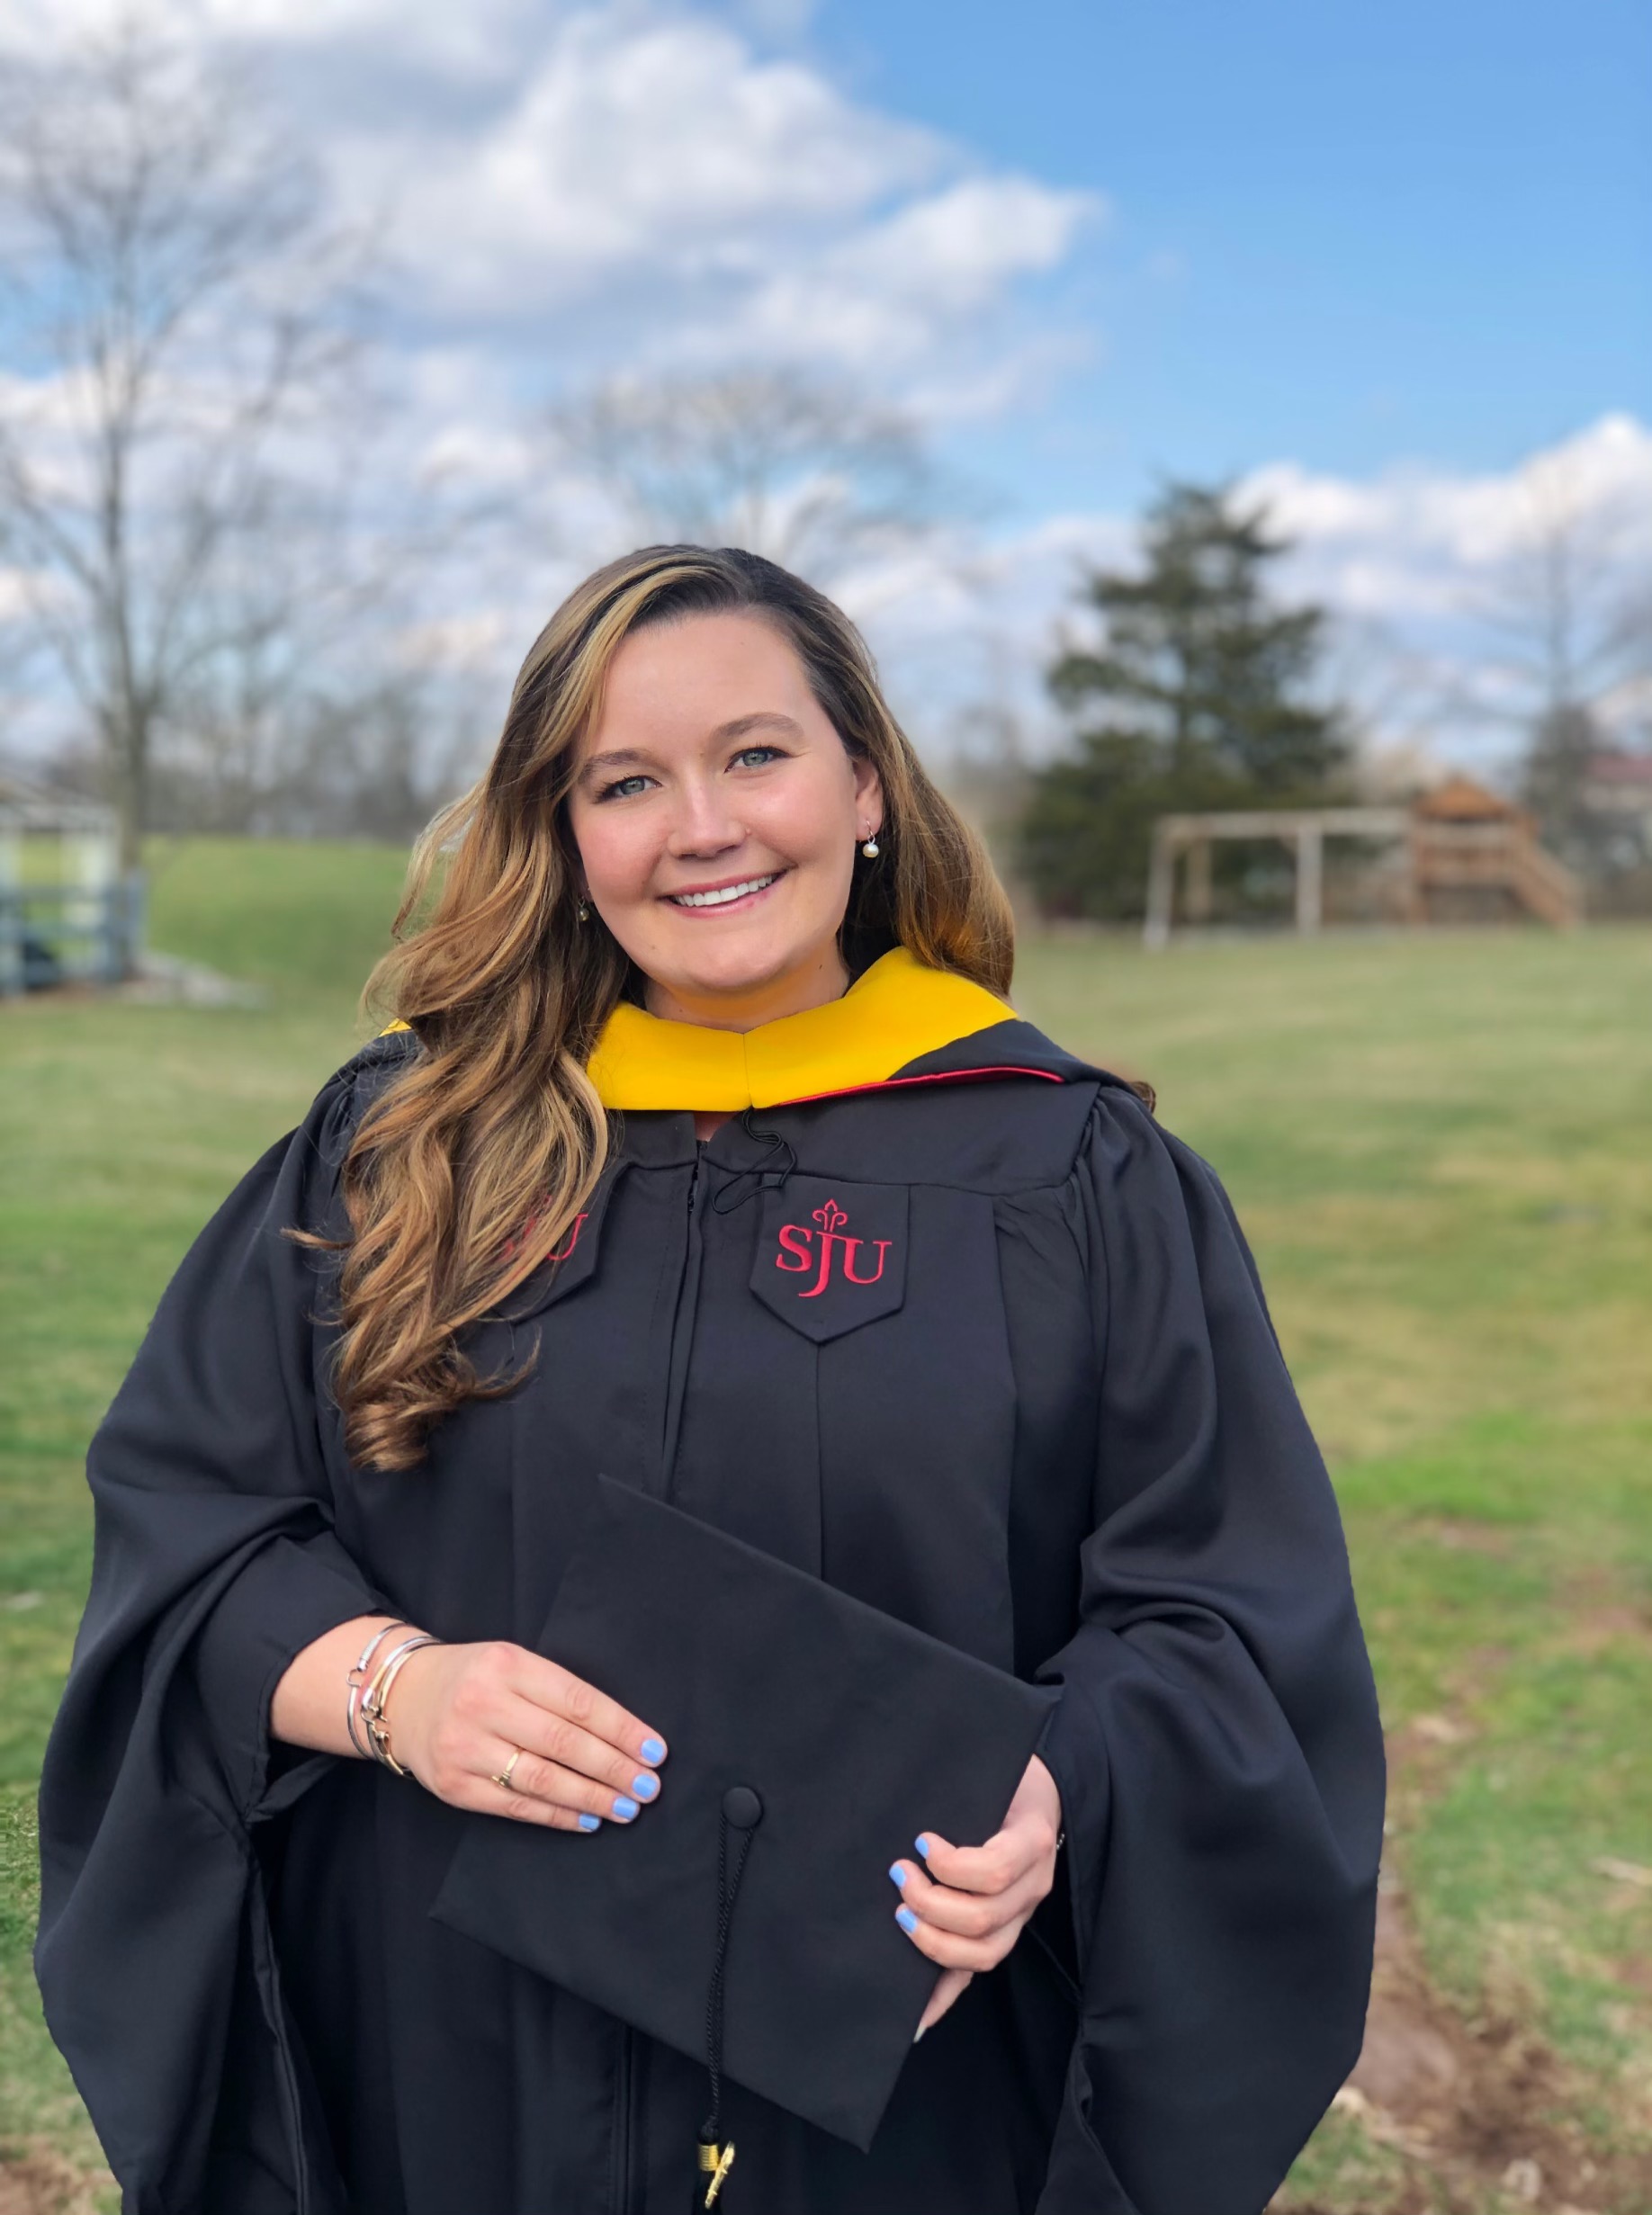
{"points": [[624, 787]]}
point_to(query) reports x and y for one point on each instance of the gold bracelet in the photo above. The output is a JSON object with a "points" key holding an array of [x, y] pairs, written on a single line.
{"points": [[378, 1692], [354, 1679]]}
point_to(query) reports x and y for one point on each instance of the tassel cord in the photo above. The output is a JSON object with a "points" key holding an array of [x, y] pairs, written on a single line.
{"points": [[727, 1893], [756, 1181]]}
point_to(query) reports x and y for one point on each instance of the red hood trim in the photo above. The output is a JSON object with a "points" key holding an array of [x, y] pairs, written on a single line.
{"points": [[935, 1076]]}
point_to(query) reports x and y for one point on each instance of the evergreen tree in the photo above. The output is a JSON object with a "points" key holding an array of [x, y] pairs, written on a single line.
{"points": [[1200, 691]]}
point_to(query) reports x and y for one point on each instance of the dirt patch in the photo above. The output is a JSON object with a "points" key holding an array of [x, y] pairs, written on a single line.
{"points": [[1601, 1613], [1635, 1973], [36, 2181], [1612, 1624], [1463, 1536], [1482, 2104], [1482, 2111]]}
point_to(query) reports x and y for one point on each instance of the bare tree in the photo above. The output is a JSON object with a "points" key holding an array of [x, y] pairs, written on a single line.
{"points": [[1571, 603], [1391, 689], [800, 467], [179, 326], [1566, 617]]}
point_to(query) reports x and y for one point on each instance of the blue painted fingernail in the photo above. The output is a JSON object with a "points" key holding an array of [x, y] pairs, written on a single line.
{"points": [[590, 1822], [645, 1784], [897, 1872], [907, 1920], [624, 1808], [652, 1751], [923, 1848]]}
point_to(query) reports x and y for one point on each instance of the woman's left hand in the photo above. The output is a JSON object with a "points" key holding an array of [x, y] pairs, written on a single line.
{"points": [[966, 1904]]}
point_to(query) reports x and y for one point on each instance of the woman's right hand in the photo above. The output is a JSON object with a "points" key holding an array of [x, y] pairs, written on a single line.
{"points": [[456, 1713]]}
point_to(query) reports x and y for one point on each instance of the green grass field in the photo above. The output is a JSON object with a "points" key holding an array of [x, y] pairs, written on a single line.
{"points": [[1443, 1150]]}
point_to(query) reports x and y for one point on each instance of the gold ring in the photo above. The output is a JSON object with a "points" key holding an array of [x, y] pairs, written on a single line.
{"points": [[503, 1775]]}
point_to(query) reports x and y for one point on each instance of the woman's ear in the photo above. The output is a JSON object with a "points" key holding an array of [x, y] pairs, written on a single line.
{"points": [[868, 793]]}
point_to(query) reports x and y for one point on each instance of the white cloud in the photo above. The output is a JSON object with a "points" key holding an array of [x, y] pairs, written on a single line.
{"points": [[1018, 373], [477, 638], [22, 591], [659, 194], [1406, 560], [569, 190], [566, 191], [1448, 582], [573, 189], [1406, 543], [624, 181], [957, 248], [472, 38], [669, 147], [883, 298]]}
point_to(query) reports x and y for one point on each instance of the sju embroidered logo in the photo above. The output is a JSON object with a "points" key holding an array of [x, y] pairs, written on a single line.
{"points": [[570, 1262], [803, 1249], [570, 1238], [831, 1256]]}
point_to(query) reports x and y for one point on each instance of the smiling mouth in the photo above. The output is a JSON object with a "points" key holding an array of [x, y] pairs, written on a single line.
{"points": [[725, 893]]}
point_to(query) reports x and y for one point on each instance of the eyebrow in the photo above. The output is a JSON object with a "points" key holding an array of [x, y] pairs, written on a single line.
{"points": [[762, 719]]}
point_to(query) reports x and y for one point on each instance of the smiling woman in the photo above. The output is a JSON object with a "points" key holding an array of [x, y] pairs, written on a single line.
{"points": [[710, 1589], [623, 781], [718, 838]]}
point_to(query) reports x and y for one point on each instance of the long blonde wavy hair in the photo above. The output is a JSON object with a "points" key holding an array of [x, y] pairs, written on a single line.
{"points": [[467, 1169]]}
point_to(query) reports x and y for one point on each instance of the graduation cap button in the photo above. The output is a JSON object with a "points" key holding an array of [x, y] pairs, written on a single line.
{"points": [[743, 1808]]}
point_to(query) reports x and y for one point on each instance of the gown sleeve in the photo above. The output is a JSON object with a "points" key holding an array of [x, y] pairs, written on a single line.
{"points": [[215, 1562], [1216, 1745]]}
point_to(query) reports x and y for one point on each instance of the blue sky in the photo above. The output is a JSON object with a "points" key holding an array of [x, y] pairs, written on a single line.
{"points": [[1389, 267], [1350, 234]]}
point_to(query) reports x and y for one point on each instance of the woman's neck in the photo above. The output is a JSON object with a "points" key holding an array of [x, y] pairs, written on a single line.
{"points": [[824, 977]]}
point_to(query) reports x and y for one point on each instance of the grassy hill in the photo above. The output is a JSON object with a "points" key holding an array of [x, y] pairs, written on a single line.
{"points": [[1439, 1147]]}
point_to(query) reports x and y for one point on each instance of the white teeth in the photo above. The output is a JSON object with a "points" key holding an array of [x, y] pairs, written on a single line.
{"points": [[726, 892]]}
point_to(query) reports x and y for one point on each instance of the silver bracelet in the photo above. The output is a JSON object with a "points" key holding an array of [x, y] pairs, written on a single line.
{"points": [[357, 1677], [378, 1692]]}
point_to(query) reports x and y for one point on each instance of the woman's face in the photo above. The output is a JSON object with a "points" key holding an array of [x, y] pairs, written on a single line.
{"points": [[716, 812]]}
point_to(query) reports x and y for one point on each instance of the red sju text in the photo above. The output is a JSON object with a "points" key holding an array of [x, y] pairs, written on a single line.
{"points": [[805, 1247]]}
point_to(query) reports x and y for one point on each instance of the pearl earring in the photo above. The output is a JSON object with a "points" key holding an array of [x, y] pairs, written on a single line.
{"points": [[582, 910], [869, 848]]}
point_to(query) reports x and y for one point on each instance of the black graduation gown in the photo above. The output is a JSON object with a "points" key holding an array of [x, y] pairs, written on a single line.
{"points": [[1055, 1432]]}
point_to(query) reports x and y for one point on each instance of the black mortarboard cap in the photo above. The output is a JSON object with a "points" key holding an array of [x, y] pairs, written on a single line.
{"points": [[812, 1738]]}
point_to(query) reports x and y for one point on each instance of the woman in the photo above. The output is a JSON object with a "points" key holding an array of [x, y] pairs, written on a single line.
{"points": [[708, 1170]]}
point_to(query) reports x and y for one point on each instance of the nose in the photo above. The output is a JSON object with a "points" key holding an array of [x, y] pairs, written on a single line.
{"points": [[702, 821]]}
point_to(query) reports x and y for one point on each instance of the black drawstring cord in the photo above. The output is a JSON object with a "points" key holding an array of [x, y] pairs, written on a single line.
{"points": [[764, 1176], [742, 1810]]}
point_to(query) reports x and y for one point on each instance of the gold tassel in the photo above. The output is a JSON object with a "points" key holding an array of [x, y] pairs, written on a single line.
{"points": [[718, 2160]]}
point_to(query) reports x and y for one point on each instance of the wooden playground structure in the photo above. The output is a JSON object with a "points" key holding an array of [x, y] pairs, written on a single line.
{"points": [[1458, 854]]}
